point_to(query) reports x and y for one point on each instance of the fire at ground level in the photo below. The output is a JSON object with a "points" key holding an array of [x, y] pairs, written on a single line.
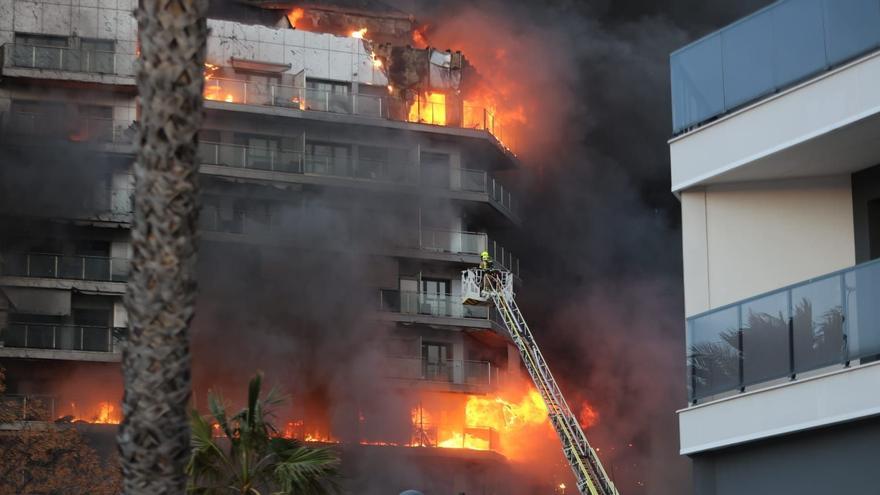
{"points": [[437, 442]]}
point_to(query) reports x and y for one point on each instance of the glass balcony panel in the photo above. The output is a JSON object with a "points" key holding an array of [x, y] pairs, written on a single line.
{"points": [[863, 312], [437, 371], [768, 51], [289, 161], [765, 338], [15, 264], [713, 352], [748, 64], [15, 335], [96, 339], [96, 268], [851, 27], [43, 265], [818, 324], [72, 267], [256, 93], [370, 106], [68, 338], [797, 50], [259, 158], [40, 336], [48, 58]]}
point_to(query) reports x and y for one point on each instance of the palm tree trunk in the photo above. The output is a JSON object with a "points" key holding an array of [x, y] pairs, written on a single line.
{"points": [[153, 438]]}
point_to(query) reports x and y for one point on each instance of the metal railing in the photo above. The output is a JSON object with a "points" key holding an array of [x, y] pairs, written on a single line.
{"points": [[456, 371], [766, 52], [278, 95], [299, 162], [824, 322], [62, 337], [65, 266], [503, 257], [427, 304], [469, 180], [68, 59]]}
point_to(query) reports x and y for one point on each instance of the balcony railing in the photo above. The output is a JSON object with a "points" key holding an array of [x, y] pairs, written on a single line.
{"points": [[261, 93], [64, 266], [28, 407], [68, 59], [426, 304], [449, 241], [320, 100], [298, 162], [53, 126], [823, 322], [61, 337], [456, 371], [768, 51]]}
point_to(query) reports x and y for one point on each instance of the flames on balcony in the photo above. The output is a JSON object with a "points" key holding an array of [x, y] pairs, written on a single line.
{"points": [[101, 412]]}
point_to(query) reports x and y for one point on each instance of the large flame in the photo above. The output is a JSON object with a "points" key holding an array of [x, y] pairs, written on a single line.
{"points": [[429, 108], [214, 89], [359, 34], [100, 413], [295, 15]]}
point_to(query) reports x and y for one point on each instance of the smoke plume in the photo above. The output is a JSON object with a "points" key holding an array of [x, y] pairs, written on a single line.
{"points": [[601, 244]]}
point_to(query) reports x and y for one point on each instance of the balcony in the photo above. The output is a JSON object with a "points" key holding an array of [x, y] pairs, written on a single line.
{"points": [[63, 266], [434, 309], [68, 64], [64, 337], [471, 374], [301, 163], [766, 52], [45, 128], [823, 324], [298, 166], [471, 243], [470, 117]]}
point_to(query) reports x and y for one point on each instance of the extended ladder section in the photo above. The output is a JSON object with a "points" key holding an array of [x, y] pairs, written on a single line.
{"points": [[479, 287]]}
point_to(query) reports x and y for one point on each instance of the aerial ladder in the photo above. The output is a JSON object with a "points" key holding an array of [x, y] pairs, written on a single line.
{"points": [[484, 287]]}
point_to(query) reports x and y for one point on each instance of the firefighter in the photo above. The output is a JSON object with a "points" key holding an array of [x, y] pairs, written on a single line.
{"points": [[486, 262]]}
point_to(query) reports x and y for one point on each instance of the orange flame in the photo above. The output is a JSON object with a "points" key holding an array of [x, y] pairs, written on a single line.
{"points": [[295, 15], [588, 416], [359, 34], [214, 87], [103, 412], [429, 109]]}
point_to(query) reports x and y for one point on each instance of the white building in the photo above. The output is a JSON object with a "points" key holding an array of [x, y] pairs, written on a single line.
{"points": [[776, 161]]}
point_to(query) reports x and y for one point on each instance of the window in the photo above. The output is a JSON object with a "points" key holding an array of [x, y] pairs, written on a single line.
{"points": [[328, 96], [435, 297], [261, 152], [328, 158], [95, 123], [436, 361], [435, 169]]}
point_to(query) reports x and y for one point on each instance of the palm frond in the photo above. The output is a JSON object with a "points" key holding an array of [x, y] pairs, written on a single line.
{"points": [[307, 471]]}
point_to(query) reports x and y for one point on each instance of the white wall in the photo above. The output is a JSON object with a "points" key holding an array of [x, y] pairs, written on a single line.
{"points": [[322, 56], [740, 240], [836, 397], [825, 126], [105, 19]]}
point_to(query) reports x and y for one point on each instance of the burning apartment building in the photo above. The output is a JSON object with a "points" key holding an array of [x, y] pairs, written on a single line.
{"points": [[349, 172]]}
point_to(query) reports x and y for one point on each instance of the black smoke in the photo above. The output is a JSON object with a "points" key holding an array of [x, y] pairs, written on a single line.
{"points": [[601, 244]]}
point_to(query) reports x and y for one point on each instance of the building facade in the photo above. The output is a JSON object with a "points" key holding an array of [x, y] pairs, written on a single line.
{"points": [[776, 162], [337, 213]]}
